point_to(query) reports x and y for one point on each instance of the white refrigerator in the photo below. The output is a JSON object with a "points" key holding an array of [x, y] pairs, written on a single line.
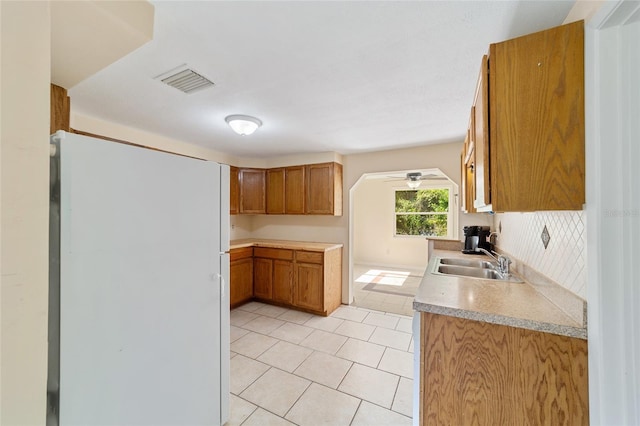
{"points": [[139, 309]]}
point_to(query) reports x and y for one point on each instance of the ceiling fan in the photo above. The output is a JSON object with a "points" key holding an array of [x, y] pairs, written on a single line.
{"points": [[414, 179]]}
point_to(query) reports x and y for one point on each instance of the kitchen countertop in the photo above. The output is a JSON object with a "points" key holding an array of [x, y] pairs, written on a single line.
{"points": [[283, 244], [493, 301]]}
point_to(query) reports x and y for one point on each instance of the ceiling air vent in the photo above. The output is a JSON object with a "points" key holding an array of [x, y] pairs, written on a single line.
{"points": [[185, 80]]}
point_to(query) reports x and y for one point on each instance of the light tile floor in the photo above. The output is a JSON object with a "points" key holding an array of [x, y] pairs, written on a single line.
{"points": [[385, 289], [354, 367]]}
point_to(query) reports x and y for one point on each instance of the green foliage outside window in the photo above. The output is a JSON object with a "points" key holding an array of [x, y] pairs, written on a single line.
{"points": [[422, 212]]}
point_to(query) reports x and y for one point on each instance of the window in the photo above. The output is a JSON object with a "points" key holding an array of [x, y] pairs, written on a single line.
{"points": [[423, 212]]}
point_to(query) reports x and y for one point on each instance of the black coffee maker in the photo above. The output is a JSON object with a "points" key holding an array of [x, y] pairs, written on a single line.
{"points": [[474, 237]]}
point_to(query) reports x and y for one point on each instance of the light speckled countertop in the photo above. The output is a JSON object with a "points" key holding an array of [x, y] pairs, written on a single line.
{"points": [[497, 302], [283, 244]]}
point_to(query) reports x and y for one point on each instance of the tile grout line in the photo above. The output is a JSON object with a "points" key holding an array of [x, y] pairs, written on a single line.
{"points": [[334, 354], [249, 402], [355, 413], [380, 360], [255, 380], [296, 401]]}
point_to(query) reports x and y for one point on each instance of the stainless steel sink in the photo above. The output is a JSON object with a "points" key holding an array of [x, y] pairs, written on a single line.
{"points": [[471, 268], [488, 274], [473, 263]]}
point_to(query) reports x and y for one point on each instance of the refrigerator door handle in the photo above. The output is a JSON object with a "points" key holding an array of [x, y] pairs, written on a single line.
{"points": [[222, 285]]}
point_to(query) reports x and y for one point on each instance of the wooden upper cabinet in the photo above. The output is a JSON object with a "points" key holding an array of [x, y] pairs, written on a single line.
{"points": [[60, 110], [480, 134], [324, 189], [294, 189], [234, 193], [536, 113], [275, 191], [306, 189], [252, 191], [467, 173], [463, 180]]}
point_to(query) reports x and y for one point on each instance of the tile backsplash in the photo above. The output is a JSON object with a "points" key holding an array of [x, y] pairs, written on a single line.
{"points": [[563, 260]]}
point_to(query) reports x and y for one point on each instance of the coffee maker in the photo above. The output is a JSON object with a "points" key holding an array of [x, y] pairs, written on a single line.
{"points": [[476, 237]]}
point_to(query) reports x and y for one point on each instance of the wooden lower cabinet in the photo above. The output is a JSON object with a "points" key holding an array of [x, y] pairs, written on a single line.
{"points": [[273, 274], [307, 280], [309, 286], [263, 278], [474, 372], [318, 281], [282, 281], [241, 276]]}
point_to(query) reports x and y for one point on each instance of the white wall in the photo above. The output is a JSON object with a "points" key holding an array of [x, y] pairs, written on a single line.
{"points": [[374, 220], [301, 228], [241, 227], [612, 66], [24, 131], [374, 242], [100, 127]]}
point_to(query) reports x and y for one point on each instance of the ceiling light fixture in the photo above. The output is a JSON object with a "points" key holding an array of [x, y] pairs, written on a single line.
{"points": [[413, 184], [243, 124], [414, 179]]}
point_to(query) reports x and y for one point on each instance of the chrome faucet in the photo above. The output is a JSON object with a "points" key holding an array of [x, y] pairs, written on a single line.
{"points": [[503, 261]]}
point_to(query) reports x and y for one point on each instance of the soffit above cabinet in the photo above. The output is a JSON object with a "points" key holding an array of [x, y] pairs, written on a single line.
{"points": [[87, 36]]}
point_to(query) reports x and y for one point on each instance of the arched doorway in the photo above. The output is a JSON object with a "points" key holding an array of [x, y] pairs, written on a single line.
{"points": [[387, 235]]}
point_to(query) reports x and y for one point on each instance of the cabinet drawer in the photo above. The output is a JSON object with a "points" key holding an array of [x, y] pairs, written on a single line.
{"points": [[240, 253], [309, 257], [272, 253]]}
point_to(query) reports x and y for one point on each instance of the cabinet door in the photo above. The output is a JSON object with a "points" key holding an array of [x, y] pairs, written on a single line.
{"points": [[324, 189], [252, 191], [234, 193], [512, 376], [309, 287], [283, 281], [463, 180], [294, 190], [275, 191], [241, 278], [537, 121], [482, 186], [466, 169], [263, 278]]}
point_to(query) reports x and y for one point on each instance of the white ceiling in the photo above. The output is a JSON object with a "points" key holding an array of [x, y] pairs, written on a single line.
{"points": [[343, 76]]}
